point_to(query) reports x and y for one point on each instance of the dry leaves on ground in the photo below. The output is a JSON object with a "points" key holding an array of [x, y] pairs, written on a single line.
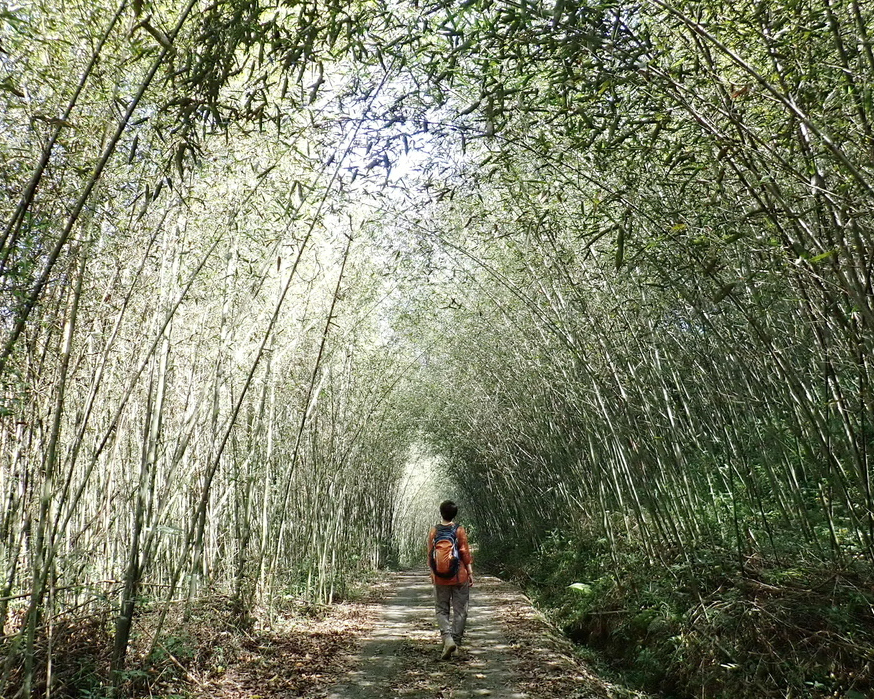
{"points": [[296, 657], [549, 666]]}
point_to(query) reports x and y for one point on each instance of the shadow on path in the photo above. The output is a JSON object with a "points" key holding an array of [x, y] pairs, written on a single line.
{"points": [[400, 657]]}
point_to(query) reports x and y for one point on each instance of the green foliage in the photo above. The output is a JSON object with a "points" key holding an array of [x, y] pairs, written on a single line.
{"points": [[178, 645], [689, 624]]}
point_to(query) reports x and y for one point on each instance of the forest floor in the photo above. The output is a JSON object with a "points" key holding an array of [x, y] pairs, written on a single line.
{"points": [[388, 646]]}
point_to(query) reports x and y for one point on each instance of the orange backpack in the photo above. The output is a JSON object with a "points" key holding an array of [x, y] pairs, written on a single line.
{"points": [[444, 553]]}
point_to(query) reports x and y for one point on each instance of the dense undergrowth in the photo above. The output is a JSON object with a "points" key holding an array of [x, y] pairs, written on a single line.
{"points": [[73, 658], [703, 624], [298, 643]]}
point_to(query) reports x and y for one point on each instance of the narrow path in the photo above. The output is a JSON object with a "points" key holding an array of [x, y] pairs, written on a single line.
{"points": [[400, 656], [390, 648], [509, 651]]}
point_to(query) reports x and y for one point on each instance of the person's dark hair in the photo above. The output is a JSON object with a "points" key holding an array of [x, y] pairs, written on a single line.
{"points": [[448, 510]]}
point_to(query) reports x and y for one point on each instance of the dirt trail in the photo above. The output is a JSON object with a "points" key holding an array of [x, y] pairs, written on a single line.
{"points": [[509, 651], [390, 648]]}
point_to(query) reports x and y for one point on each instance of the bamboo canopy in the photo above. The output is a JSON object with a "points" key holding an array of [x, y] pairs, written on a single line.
{"points": [[276, 275]]}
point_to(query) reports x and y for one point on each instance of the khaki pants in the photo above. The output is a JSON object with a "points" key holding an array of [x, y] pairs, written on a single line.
{"points": [[458, 597]]}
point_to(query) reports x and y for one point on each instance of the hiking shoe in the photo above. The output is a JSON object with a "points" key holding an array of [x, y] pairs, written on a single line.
{"points": [[449, 648]]}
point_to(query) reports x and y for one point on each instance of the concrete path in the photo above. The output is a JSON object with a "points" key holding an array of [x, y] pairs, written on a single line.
{"points": [[389, 648], [401, 656]]}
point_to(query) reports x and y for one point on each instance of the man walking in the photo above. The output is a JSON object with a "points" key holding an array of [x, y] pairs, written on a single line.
{"points": [[452, 575]]}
